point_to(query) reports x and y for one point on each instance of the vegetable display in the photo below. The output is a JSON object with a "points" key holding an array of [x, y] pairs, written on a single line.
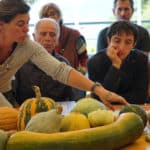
{"points": [[125, 130]]}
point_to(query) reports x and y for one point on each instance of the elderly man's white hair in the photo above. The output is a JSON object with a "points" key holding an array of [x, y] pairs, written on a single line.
{"points": [[51, 20]]}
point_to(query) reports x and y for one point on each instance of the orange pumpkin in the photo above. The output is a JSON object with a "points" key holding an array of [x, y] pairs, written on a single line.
{"points": [[8, 118]]}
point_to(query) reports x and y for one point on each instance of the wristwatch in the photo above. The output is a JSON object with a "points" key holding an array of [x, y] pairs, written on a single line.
{"points": [[95, 85]]}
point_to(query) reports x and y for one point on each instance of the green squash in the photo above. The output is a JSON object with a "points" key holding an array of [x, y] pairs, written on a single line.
{"points": [[136, 109]]}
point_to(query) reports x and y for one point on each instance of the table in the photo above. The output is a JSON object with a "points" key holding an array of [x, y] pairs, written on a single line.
{"points": [[139, 144]]}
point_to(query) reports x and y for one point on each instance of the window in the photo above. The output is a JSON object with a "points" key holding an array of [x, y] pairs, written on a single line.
{"points": [[89, 17]]}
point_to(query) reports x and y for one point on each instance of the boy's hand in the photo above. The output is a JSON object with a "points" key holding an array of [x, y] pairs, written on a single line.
{"points": [[112, 53]]}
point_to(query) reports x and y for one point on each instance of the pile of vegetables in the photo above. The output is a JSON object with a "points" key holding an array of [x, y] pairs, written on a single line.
{"points": [[89, 126]]}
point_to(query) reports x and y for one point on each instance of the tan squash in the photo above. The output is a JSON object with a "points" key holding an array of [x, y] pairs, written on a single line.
{"points": [[8, 118]]}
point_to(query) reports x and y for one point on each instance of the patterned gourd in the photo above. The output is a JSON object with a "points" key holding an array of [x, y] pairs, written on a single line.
{"points": [[8, 118], [32, 106]]}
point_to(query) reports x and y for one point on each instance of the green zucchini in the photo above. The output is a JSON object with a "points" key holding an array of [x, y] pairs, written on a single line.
{"points": [[127, 128]]}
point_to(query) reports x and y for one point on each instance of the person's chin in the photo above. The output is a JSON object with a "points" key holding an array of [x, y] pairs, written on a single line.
{"points": [[123, 19], [48, 47], [21, 39]]}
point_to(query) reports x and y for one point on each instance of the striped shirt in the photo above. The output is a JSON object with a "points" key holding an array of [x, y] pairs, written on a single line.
{"points": [[30, 50]]}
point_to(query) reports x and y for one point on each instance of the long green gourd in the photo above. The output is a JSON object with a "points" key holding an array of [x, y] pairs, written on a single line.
{"points": [[127, 128]]}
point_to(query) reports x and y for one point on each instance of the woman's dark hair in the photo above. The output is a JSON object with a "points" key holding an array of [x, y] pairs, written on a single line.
{"points": [[9, 9], [122, 26]]}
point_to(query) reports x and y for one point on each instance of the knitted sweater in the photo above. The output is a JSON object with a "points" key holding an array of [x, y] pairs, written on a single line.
{"points": [[30, 50], [72, 45]]}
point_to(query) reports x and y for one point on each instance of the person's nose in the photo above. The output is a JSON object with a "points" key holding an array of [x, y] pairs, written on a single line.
{"points": [[122, 13], [47, 36], [26, 28], [122, 46]]}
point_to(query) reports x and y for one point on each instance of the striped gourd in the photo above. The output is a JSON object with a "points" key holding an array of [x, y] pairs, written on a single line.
{"points": [[32, 106]]}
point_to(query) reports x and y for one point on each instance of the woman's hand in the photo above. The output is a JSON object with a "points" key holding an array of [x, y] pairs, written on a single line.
{"points": [[108, 97]]}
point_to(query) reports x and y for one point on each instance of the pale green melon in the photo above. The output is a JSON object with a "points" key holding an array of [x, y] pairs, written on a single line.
{"points": [[101, 117], [86, 105]]}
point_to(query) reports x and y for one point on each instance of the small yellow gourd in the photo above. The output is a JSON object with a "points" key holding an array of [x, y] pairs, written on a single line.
{"points": [[74, 121]]}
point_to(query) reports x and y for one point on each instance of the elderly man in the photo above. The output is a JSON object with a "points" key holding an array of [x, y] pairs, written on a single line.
{"points": [[47, 34]]}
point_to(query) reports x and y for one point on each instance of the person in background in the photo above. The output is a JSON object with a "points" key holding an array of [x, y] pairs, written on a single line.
{"points": [[123, 10], [71, 45], [119, 67], [17, 49], [46, 33]]}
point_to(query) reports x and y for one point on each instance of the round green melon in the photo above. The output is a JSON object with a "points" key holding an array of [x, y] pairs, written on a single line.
{"points": [[87, 105], [3, 139], [136, 109]]}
